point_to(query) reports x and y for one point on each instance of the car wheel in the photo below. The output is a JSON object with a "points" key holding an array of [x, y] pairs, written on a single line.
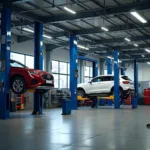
{"points": [[81, 93], [18, 85], [120, 93]]}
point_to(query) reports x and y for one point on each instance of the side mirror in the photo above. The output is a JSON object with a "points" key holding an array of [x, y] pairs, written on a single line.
{"points": [[90, 82]]}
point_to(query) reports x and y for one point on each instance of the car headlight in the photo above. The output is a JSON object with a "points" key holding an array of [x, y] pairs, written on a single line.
{"points": [[32, 72]]}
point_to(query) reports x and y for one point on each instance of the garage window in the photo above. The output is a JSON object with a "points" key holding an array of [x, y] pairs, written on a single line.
{"points": [[88, 73], [18, 57], [26, 60], [55, 66], [56, 81], [63, 81], [29, 61], [61, 71], [63, 67]]}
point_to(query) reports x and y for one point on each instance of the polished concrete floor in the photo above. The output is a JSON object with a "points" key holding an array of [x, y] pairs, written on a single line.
{"points": [[86, 129]]}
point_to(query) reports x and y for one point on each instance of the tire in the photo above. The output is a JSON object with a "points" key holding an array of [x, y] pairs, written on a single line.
{"points": [[121, 95], [81, 93], [18, 85]]}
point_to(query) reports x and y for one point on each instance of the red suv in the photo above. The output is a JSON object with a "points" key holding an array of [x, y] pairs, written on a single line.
{"points": [[23, 78]]}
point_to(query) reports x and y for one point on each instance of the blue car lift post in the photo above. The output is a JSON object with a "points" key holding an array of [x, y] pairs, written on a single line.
{"points": [[109, 65], [73, 71], [5, 63], [116, 81], [38, 63], [135, 98], [122, 69]]}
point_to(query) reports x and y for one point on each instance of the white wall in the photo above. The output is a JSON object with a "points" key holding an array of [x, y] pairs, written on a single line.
{"points": [[143, 71], [26, 47], [61, 54]]}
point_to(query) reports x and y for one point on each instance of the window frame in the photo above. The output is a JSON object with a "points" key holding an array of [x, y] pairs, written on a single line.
{"points": [[24, 56], [67, 74], [85, 76]]}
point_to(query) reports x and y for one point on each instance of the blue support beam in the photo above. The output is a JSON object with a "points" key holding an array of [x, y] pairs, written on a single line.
{"points": [[5, 63], [135, 98], [97, 12], [123, 69], [95, 69], [116, 81], [109, 65], [38, 62], [73, 71]]}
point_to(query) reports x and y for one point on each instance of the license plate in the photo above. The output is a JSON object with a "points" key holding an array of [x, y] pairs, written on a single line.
{"points": [[49, 81]]}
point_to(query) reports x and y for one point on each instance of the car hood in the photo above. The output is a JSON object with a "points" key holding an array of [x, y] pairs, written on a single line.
{"points": [[38, 71]]}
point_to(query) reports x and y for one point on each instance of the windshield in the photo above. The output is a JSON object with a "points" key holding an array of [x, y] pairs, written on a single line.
{"points": [[17, 64], [126, 78]]}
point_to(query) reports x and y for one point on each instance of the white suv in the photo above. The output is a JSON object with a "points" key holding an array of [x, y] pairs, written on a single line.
{"points": [[104, 85]]}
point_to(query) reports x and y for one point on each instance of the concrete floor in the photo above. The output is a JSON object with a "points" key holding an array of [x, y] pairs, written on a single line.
{"points": [[85, 129]]}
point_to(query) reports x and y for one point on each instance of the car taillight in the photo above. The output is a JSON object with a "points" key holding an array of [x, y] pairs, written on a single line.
{"points": [[125, 82]]}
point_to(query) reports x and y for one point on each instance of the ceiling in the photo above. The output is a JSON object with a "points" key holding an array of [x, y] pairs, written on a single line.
{"points": [[90, 16]]}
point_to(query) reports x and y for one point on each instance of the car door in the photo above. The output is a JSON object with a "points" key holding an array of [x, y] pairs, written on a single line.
{"points": [[104, 85], [95, 85], [108, 83]]}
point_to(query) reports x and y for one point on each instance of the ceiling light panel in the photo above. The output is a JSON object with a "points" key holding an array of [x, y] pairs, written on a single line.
{"points": [[139, 17]]}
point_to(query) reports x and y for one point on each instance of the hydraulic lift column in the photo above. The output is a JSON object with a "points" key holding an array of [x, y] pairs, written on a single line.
{"points": [[109, 65], [95, 69], [5, 63], [123, 69], [73, 71], [38, 63], [116, 81], [135, 98]]}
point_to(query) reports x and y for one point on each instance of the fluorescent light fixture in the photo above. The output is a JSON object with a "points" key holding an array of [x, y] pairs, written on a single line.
{"points": [[105, 29], [147, 50], [70, 10], [75, 42], [148, 63], [110, 57], [135, 45], [82, 47], [44, 35], [28, 30], [138, 16], [47, 36], [127, 39], [143, 56]]}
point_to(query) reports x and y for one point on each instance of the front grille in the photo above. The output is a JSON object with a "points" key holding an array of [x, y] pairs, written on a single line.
{"points": [[47, 77]]}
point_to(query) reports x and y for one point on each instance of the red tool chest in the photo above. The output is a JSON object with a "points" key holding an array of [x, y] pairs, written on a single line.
{"points": [[147, 96]]}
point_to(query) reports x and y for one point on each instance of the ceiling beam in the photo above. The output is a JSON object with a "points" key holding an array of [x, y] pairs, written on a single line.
{"points": [[114, 40], [85, 14], [140, 60], [32, 17], [129, 47], [124, 48], [4, 2], [112, 29], [97, 12]]}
